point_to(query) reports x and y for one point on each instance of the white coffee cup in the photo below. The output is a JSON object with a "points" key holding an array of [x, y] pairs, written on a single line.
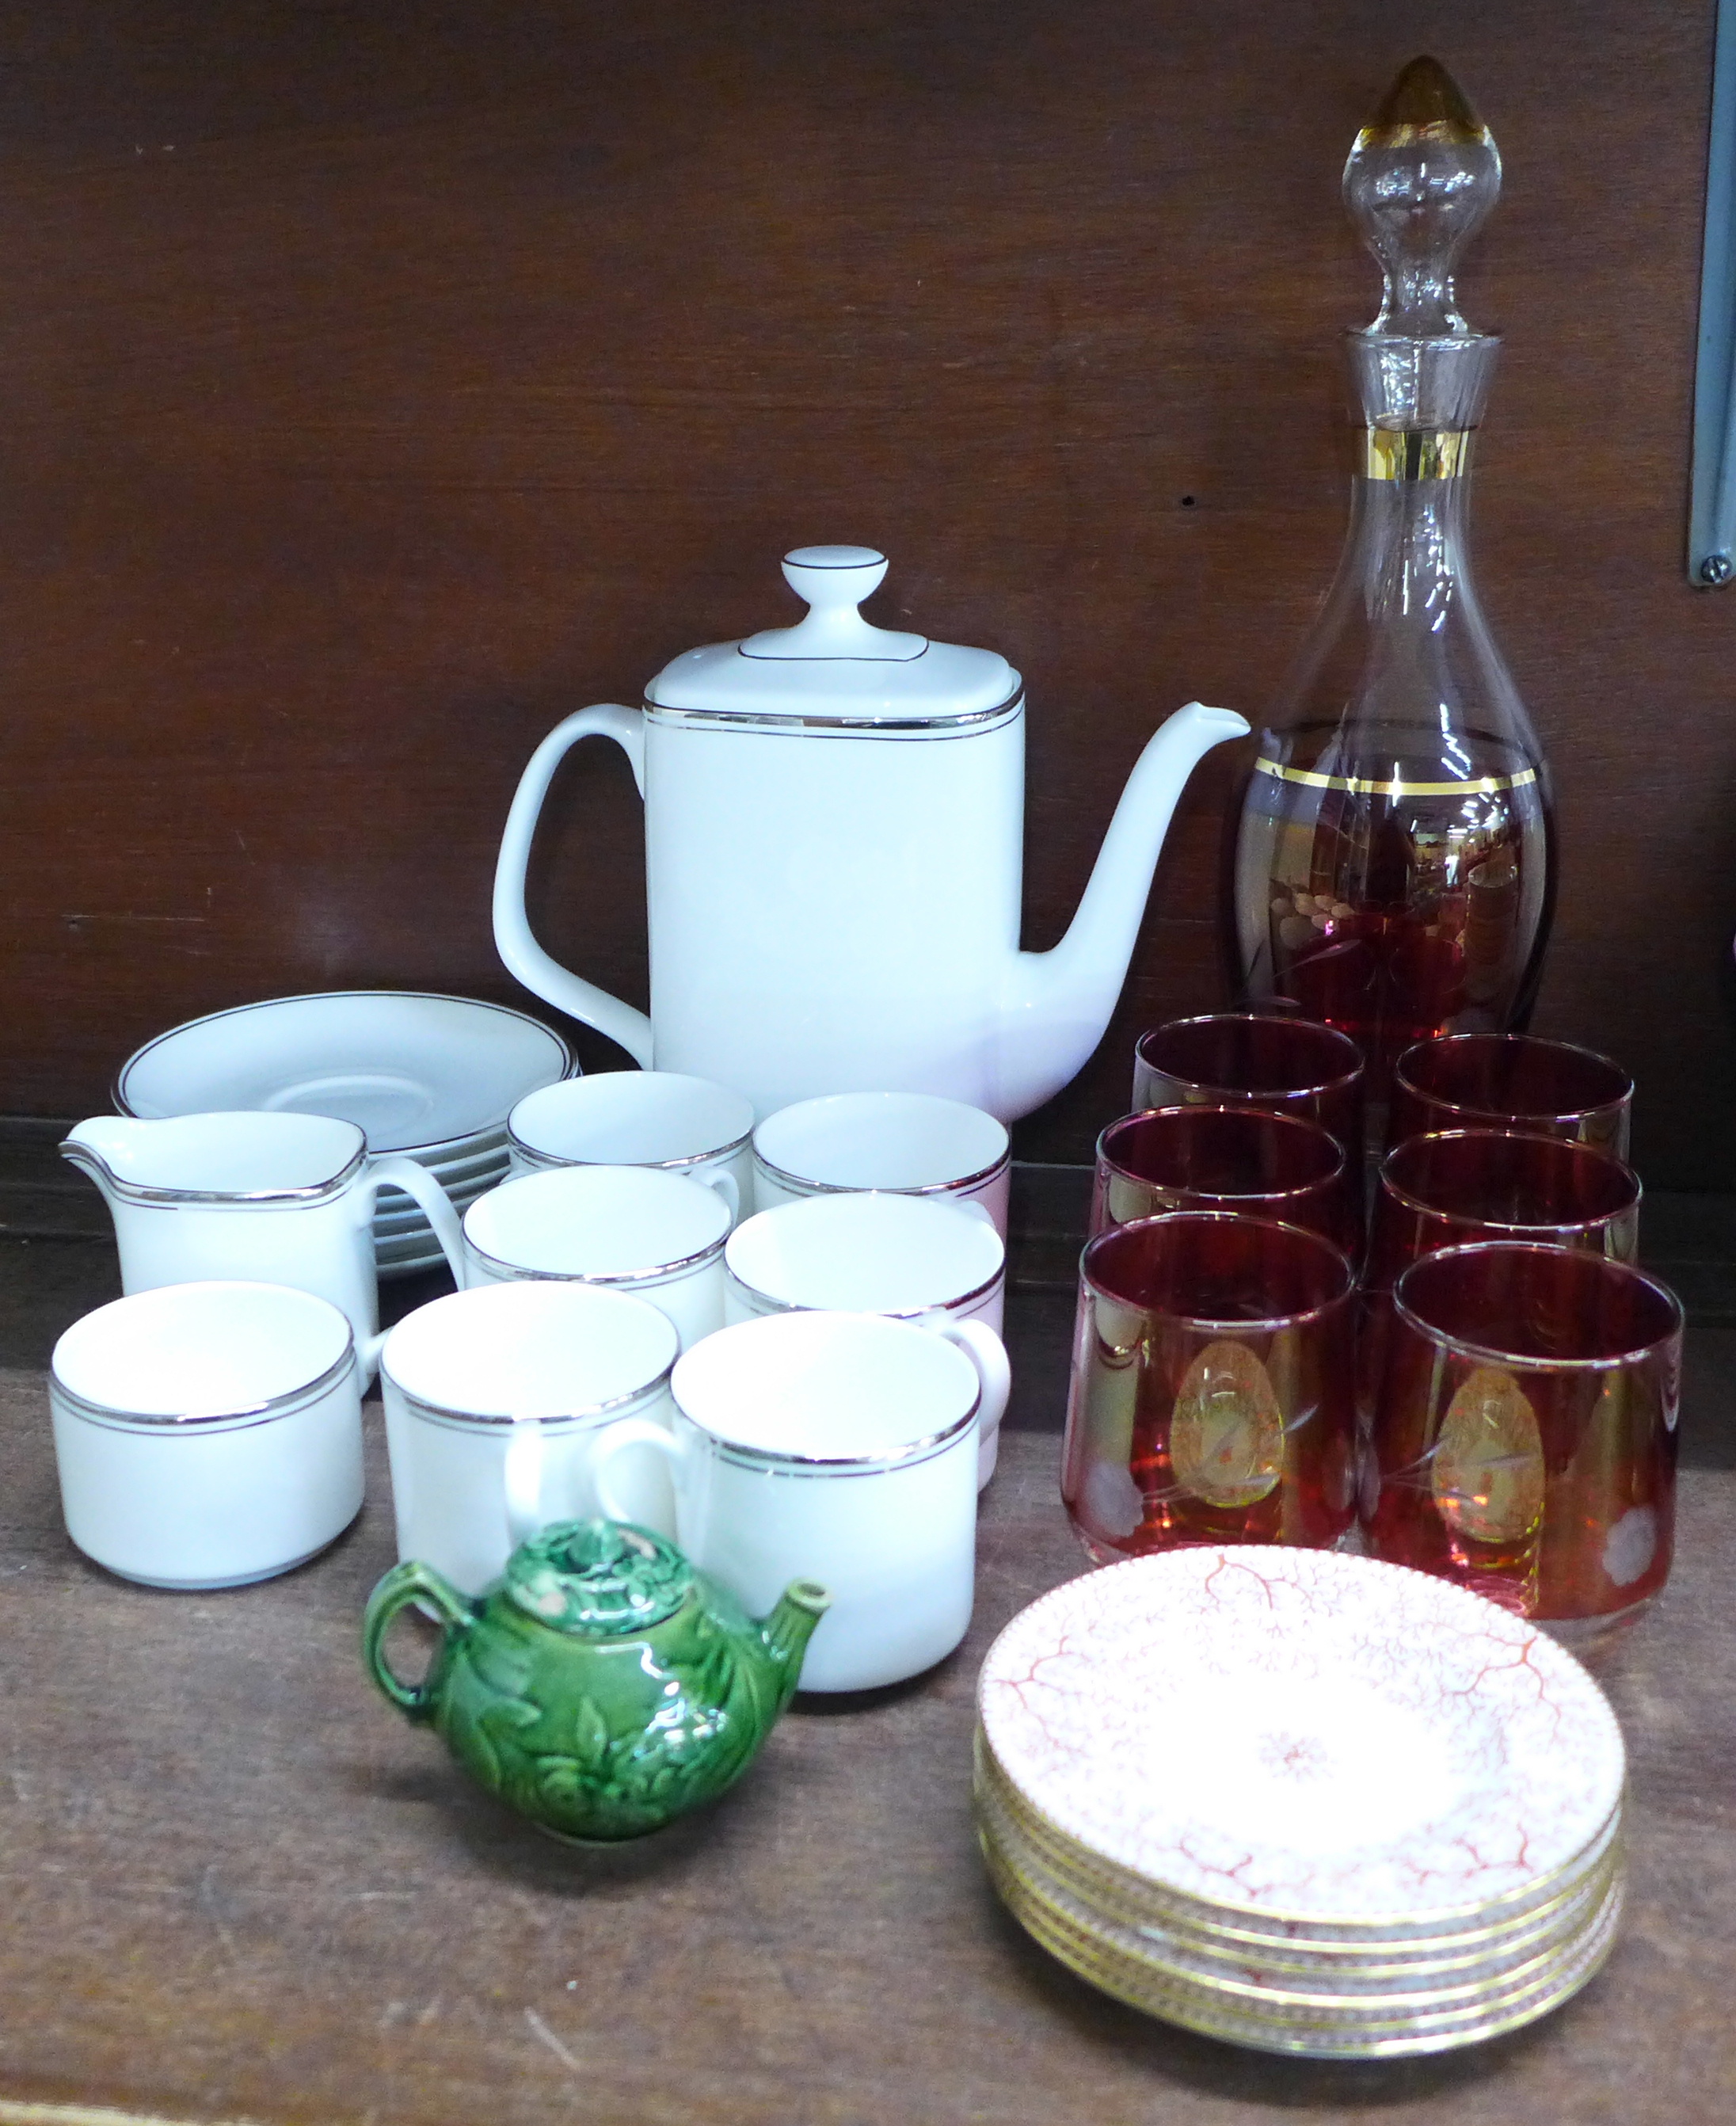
{"points": [[911, 1144], [208, 1433], [495, 1400], [838, 1446], [624, 1228], [659, 1118], [282, 1199], [917, 1258]]}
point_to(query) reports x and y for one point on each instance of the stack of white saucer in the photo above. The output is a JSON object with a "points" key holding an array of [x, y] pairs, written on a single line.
{"points": [[432, 1077], [1305, 1803]]}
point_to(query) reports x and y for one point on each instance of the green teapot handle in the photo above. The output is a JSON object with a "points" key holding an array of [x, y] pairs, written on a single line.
{"points": [[412, 1581]]}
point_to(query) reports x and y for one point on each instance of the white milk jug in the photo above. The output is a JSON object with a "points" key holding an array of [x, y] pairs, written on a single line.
{"points": [[281, 1199], [834, 829]]}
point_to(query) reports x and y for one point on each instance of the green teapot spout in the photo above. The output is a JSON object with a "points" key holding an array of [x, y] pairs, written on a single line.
{"points": [[786, 1632]]}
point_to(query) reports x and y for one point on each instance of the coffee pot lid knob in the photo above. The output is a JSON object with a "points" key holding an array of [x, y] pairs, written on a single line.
{"points": [[831, 576], [834, 580]]}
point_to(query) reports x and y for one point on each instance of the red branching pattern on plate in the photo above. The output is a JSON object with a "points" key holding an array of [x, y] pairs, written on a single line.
{"points": [[1295, 1732]]}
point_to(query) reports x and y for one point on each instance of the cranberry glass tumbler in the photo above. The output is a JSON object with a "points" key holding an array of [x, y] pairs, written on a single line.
{"points": [[1230, 1059], [1511, 1081], [1469, 1185], [1240, 1159], [1212, 1396], [1524, 1432]]}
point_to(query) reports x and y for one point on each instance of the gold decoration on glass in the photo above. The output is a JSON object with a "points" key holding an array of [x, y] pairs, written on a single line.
{"points": [[1396, 785], [1226, 1433], [1487, 1473], [1415, 453], [1423, 104]]}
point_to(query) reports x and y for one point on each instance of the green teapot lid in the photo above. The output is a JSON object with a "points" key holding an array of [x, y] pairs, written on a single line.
{"points": [[597, 1579]]}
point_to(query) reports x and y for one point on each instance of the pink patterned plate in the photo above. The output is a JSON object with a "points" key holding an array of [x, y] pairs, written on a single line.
{"points": [[1315, 1738], [1110, 1890], [1392, 2036], [1378, 1971]]}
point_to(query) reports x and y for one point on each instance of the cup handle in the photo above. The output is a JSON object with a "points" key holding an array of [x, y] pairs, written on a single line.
{"points": [[394, 1171], [367, 1356], [988, 1353], [523, 1475], [412, 1581], [723, 1182], [628, 1432]]}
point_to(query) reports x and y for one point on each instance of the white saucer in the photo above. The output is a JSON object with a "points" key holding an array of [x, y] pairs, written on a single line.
{"points": [[491, 1156], [397, 1247], [417, 1073], [401, 1260]]}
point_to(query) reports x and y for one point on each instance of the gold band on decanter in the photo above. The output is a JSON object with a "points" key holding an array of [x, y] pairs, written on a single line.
{"points": [[1397, 786], [1415, 453]]}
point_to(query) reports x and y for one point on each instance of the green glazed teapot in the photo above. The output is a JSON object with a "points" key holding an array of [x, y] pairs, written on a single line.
{"points": [[602, 1686]]}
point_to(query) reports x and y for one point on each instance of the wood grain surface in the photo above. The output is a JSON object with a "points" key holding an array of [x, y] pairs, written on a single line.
{"points": [[379, 381], [238, 1885]]}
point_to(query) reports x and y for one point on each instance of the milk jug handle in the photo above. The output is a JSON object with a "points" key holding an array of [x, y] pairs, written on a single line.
{"points": [[524, 956], [394, 1171]]}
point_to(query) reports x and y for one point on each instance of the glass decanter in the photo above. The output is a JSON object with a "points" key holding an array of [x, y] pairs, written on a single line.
{"points": [[1394, 862]]}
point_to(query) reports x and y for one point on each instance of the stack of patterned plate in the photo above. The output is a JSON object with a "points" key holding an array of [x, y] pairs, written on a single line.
{"points": [[432, 1077], [1306, 1803]]}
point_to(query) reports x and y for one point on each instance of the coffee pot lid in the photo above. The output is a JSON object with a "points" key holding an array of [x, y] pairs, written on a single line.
{"points": [[834, 665], [597, 1579]]}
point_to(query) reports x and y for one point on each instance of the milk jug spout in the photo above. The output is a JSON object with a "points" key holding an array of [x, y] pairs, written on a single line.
{"points": [[1060, 1001], [94, 1146]]}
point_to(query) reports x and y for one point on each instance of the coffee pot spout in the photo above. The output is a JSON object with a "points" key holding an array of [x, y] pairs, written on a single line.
{"points": [[1060, 1002]]}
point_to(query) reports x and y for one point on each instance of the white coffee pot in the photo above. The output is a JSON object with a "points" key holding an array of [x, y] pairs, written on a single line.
{"points": [[834, 835]]}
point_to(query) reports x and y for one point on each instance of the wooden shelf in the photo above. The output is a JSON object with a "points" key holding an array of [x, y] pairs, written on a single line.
{"points": [[238, 1885]]}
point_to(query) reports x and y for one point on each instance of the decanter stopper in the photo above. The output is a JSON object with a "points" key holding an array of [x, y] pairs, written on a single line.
{"points": [[1420, 178]]}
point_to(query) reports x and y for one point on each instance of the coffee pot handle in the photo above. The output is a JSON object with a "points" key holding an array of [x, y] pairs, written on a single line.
{"points": [[524, 956]]}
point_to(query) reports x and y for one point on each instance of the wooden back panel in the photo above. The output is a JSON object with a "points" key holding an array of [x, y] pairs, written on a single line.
{"points": [[378, 384]]}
